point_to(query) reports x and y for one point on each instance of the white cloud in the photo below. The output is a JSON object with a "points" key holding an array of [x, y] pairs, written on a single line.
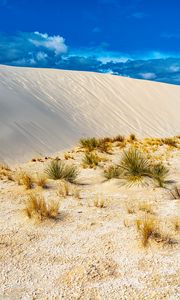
{"points": [[54, 43], [148, 75], [174, 69], [41, 56]]}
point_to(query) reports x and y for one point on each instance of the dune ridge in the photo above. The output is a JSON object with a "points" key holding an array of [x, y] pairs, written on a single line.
{"points": [[45, 110]]}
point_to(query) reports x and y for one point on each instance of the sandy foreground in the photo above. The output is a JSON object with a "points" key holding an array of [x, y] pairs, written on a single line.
{"points": [[44, 110], [90, 252]]}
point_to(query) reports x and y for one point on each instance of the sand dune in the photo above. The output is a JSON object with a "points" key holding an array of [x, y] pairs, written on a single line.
{"points": [[44, 110]]}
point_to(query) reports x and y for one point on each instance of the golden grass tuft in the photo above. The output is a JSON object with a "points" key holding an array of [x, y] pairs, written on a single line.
{"points": [[147, 227], [25, 179], [91, 160], [100, 202], [41, 180], [112, 171], [63, 189], [37, 207], [146, 207], [176, 223], [6, 172], [169, 141], [89, 144]]}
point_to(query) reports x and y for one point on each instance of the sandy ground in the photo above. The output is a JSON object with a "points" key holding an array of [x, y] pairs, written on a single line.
{"points": [[44, 110], [89, 253]]}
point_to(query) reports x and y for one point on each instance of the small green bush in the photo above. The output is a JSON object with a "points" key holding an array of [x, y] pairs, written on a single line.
{"points": [[159, 173], [59, 170]]}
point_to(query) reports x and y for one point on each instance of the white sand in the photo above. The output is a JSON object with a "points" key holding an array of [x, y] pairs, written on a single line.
{"points": [[44, 110]]}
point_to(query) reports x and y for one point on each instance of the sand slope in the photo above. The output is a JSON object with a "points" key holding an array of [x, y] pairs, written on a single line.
{"points": [[44, 110]]}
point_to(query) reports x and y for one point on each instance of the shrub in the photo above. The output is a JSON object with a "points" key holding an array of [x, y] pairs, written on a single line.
{"points": [[159, 173], [37, 207], [59, 170], [91, 160], [135, 166], [89, 144], [112, 172]]}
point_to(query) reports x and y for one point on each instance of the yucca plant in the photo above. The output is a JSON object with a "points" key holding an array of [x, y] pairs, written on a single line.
{"points": [[159, 173], [112, 172], [59, 170], [134, 165]]}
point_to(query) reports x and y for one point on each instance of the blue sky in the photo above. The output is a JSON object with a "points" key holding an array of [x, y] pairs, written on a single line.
{"points": [[135, 38]]}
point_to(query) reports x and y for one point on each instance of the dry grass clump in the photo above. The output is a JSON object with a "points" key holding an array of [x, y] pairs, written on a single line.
{"points": [[100, 202], [152, 141], [68, 156], [25, 179], [63, 189], [5, 171], [89, 144], [130, 207], [118, 138], [104, 145], [147, 227], [59, 170], [112, 172], [37, 207], [41, 181], [146, 207], [91, 160], [176, 223], [76, 193], [169, 141]]}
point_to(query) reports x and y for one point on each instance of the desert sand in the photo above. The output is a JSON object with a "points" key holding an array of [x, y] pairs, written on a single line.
{"points": [[92, 248], [44, 110], [90, 252]]}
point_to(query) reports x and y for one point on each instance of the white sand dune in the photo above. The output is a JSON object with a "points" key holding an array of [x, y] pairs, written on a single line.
{"points": [[44, 110]]}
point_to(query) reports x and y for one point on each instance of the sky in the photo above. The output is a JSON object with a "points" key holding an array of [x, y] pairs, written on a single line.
{"points": [[133, 38]]}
